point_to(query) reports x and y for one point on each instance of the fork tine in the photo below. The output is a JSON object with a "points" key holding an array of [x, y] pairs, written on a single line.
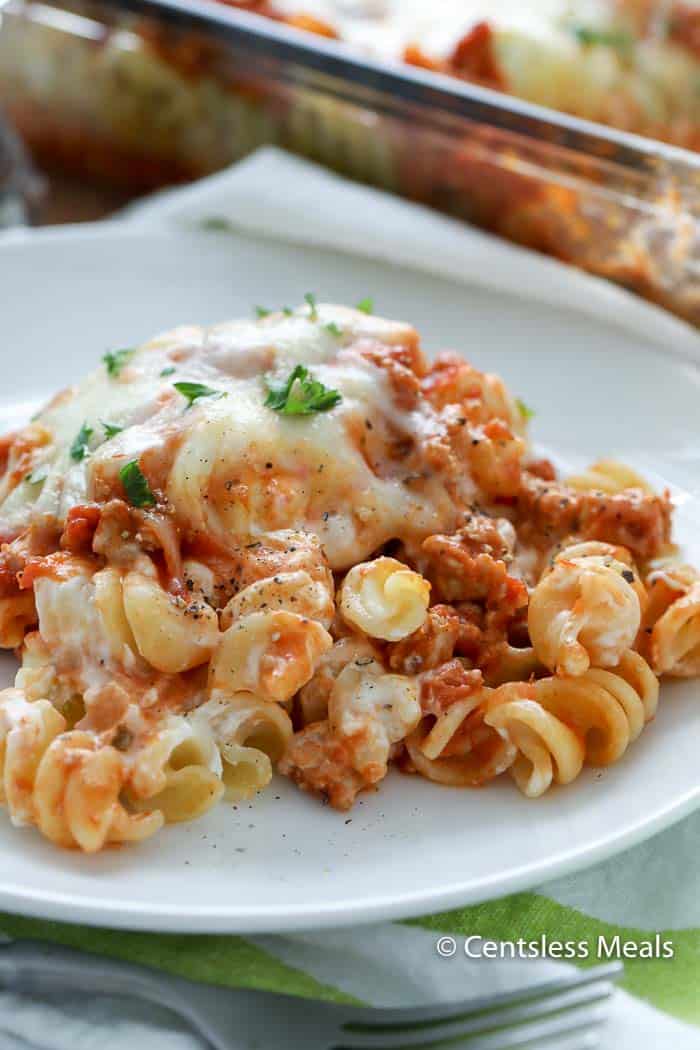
{"points": [[370, 1018], [537, 1034], [570, 1003]]}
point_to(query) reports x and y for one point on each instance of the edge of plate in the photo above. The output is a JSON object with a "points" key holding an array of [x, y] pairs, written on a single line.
{"points": [[156, 919]]}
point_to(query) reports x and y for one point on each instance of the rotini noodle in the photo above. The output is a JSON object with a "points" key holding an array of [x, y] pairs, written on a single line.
{"points": [[548, 750], [294, 592], [384, 599], [77, 793], [495, 457], [585, 610], [178, 773], [454, 753], [313, 697], [608, 475], [269, 654], [252, 735], [542, 731], [371, 710], [16, 615], [109, 599], [26, 731], [172, 634], [607, 708], [671, 627]]}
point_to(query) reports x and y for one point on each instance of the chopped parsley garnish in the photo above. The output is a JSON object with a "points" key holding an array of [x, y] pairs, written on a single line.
{"points": [[366, 306], [301, 395], [116, 359], [79, 448], [589, 37], [193, 391], [138, 491], [169, 371], [525, 411], [262, 311], [111, 429], [310, 300], [37, 476], [333, 328]]}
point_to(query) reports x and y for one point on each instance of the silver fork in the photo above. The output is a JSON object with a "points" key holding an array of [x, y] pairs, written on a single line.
{"points": [[564, 1014]]}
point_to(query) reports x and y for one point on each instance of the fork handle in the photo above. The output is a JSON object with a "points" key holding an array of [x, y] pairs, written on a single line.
{"points": [[35, 968]]}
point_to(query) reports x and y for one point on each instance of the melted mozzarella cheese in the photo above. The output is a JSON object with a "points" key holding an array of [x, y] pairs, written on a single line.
{"points": [[540, 53], [232, 467], [384, 28]]}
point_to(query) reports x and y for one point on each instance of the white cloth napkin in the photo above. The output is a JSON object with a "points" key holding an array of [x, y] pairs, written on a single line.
{"points": [[276, 195]]}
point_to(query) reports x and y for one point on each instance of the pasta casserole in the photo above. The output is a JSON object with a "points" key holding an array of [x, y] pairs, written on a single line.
{"points": [[632, 64], [296, 543]]}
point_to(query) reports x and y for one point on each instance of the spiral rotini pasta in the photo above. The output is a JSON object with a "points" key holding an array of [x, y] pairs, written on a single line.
{"points": [[295, 544], [370, 711], [608, 475], [16, 615], [313, 697], [26, 731], [558, 723], [459, 754], [384, 599], [61, 781], [77, 793], [270, 654], [252, 735], [542, 731], [547, 749], [177, 773], [294, 592], [671, 628], [171, 633], [585, 610]]}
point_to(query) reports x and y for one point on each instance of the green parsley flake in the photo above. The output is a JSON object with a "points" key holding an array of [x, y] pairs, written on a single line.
{"points": [[366, 306], [36, 477], [301, 395], [287, 311], [111, 429], [79, 448], [193, 391], [525, 411], [115, 360], [333, 328], [169, 371], [138, 491], [262, 311], [588, 36], [310, 300]]}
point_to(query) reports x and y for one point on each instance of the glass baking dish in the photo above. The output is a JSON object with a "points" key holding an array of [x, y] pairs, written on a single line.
{"points": [[149, 92], [21, 189]]}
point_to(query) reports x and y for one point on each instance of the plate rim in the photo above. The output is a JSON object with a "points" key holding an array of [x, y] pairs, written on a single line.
{"points": [[156, 919]]}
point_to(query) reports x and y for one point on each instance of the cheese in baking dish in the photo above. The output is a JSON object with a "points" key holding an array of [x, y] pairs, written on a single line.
{"points": [[633, 64], [296, 543]]}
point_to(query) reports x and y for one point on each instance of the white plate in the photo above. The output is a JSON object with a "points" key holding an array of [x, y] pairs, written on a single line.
{"points": [[284, 861]]}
